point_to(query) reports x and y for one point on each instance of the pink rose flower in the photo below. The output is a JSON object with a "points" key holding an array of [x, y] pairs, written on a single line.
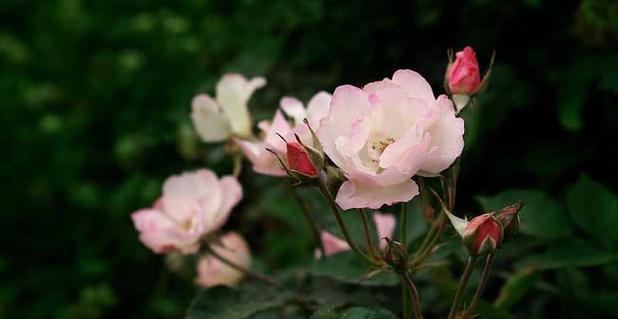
{"points": [[463, 75], [192, 205], [385, 227], [212, 272], [227, 114], [256, 151], [385, 133]]}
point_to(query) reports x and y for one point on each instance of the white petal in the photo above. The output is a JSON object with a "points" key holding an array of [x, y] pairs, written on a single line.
{"points": [[233, 93], [208, 118]]}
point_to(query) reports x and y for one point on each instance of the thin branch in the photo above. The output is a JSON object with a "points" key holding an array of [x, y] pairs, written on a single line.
{"points": [[368, 236], [242, 269], [335, 210], [306, 210], [481, 287], [416, 304], [462, 287]]}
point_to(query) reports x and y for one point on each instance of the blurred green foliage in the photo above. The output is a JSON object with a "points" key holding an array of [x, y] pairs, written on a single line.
{"points": [[95, 101]]}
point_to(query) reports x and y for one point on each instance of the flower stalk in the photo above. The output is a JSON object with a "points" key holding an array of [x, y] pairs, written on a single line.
{"points": [[344, 230], [307, 213], [250, 273], [465, 277], [489, 261]]}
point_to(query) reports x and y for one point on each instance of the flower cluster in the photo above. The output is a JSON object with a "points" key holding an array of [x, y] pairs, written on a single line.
{"points": [[362, 147]]}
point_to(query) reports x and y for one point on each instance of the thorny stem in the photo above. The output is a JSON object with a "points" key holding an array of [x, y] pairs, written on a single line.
{"points": [[368, 236], [481, 287], [416, 304], [242, 269], [462, 286], [335, 210], [306, 210]]}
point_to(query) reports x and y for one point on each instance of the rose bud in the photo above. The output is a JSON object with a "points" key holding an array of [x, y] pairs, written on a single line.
{"points": [[509, 219], [463, 78], [483, 234], [395, 254], [299, 160]]}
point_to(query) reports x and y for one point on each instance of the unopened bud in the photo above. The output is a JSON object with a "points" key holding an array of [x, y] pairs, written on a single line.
{"points": [[482, 235], [299, 161], [509, 219], [463, 78], [395, 254]]}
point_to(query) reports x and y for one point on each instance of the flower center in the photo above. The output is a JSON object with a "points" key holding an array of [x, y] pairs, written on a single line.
{"points": [[379, 146]]}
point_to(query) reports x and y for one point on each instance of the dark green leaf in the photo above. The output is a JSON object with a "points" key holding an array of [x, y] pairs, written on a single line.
{"points": [[349, 268], [542, 216], [516, 287], [594, 208], [357, 313], [569, 253], [236, 303]]}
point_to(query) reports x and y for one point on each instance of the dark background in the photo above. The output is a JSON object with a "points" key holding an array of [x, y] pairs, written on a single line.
{"points": [[95, 114]]}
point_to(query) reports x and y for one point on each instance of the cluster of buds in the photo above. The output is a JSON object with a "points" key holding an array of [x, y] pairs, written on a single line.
{"points": [[463, 78], [485, 233]]}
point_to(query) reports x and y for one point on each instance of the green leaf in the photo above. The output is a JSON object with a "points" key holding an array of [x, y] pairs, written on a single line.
{"points": [[542, 216], [571, 253], [236, 303], [516, 287], [357, 313], [349, 268], [594, 208]]}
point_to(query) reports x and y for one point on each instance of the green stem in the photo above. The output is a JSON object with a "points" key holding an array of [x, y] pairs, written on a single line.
{"points": [[335, 210], [403, 223], [481, 287], [462, 287], [416, 304], [405, 304], [425, 252], [242, 269], [368, 236], [306, 210]]}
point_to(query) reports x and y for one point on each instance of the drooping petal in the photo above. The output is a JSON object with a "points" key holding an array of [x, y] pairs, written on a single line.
{"points": [[209, 121], [353, 194]]}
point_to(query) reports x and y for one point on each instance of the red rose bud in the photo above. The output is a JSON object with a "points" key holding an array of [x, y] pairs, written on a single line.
{"points": [[463, 78], [509, 219], [463, 75], [483, 234], [299, 160]]}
